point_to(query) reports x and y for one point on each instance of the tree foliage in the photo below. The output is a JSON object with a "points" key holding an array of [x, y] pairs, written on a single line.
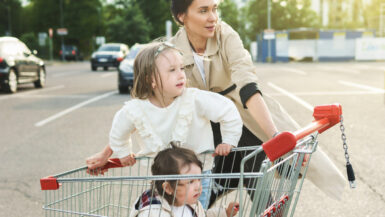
{"points": [[156, 12], [127, 26], [10, 16], [132, 21], [372, 14], [81, 18], [295, 14]]}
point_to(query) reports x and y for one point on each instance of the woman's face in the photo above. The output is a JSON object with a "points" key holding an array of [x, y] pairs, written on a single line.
{"points": [[188, 191], [200, 19]]}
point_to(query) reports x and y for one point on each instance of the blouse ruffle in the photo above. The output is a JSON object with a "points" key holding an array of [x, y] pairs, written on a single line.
{"points": [[146, 131]]}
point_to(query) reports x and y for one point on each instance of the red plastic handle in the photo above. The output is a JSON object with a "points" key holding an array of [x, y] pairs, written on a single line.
{"points": [[325, 117], [49, 183], [112, 163]]}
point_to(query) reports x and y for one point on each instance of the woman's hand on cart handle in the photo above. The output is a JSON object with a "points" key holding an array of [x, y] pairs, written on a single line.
{"points": [[222, 150]]}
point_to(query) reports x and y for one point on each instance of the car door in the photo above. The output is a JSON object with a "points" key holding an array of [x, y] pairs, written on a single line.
{"points": [[20, 60], [31, 67]]}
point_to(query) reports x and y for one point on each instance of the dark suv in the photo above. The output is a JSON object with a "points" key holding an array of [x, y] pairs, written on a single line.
{"points": [[108, 55], [19, 65], [71, 52], [126, 71]]}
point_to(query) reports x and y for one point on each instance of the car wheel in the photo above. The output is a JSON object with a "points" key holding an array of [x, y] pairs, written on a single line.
{"points": [[11, 85], [41, 80], [94, 68], [123, 89], [105, 68]]}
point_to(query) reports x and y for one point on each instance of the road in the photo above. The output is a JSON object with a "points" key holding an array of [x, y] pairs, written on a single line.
{"points": [[51, 130]]}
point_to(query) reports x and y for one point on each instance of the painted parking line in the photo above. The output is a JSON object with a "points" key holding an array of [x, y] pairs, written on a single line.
{"points": [[297, 71], [36, 91], [329, 93], [361, 86], [339, 69], [292, 96], [53, 96], [73, 108]]}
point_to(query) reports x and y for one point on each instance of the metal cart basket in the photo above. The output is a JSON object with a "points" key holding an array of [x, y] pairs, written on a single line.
{"points": [[273, 191]]}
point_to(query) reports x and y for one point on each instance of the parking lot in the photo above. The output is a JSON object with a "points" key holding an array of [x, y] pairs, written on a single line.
{"points": [[51, 130]]}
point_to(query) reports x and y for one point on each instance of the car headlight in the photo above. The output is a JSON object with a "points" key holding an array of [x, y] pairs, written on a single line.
{"points": [[93, 55], [126, 68]]}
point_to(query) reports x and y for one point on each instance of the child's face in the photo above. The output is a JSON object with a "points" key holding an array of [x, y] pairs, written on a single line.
{"points": [[171, 73], [188, 191]]}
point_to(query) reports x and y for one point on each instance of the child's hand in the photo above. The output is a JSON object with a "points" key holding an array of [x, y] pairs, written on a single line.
{"points": [[222, 150], [128, 160], [97, 160], [232, 209]]}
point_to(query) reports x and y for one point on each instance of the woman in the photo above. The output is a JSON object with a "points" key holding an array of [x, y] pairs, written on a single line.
{"points": [[216, 60]]}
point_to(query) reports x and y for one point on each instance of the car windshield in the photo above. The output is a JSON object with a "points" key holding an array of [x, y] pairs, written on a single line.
{"points": [[69, 47], [109, 48], [133, 52]]}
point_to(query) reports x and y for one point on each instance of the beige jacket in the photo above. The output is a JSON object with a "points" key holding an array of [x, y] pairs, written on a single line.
{"points": [[164, 210], [226, 63]]}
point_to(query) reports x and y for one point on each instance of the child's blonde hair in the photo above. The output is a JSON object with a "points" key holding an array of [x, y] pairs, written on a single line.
{"points": [[145, 69]]}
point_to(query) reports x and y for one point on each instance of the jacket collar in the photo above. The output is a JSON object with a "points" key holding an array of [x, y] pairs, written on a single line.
{"points": [[181, 41]]}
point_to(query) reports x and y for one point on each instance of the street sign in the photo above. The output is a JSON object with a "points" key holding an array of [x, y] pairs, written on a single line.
{"points": [[100, 40], [50, 32], [42, 38], [268, 34], [62, 31]]}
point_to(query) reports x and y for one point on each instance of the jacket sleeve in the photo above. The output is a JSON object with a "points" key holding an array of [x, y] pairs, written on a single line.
{"points": [[121, 130], [243, 71], [218, 108]]}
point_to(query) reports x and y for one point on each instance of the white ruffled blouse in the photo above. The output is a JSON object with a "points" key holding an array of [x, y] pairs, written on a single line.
{"points": [[186, 119]]}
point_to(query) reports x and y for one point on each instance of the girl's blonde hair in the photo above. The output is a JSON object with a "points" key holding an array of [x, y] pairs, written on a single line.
{"points": [[145, 69]]}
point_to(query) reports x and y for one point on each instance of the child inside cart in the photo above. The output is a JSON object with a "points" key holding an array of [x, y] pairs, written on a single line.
{"points": [[164, 110], [176, 198]]}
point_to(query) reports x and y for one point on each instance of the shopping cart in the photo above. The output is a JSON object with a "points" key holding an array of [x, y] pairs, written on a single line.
{"points": [[273, 191]]}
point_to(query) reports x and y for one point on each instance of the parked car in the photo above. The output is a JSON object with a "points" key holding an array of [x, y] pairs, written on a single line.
{"points": [[125, 70], [71, 52], [19, 65], [108, 55]]}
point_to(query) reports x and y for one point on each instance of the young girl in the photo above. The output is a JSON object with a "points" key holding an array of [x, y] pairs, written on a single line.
{"points": [[164, 110], [176, 198]]}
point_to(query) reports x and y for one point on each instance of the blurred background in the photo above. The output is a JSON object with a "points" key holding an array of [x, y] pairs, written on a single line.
{"points": [[49, 25]]}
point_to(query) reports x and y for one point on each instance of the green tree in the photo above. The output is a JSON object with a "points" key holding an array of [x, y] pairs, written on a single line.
{"points": [[372, 15], [155, 12], [284, 15], [234, 16], [84, 21], [81, 18], [10, 11], [229, 13], [127, 25]]}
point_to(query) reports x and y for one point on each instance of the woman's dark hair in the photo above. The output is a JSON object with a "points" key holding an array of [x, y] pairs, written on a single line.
{"points": [[169, 162], [179, 7]]}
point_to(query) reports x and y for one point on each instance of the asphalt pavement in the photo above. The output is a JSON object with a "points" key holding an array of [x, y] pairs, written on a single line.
{"points": [[51, 130]]}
